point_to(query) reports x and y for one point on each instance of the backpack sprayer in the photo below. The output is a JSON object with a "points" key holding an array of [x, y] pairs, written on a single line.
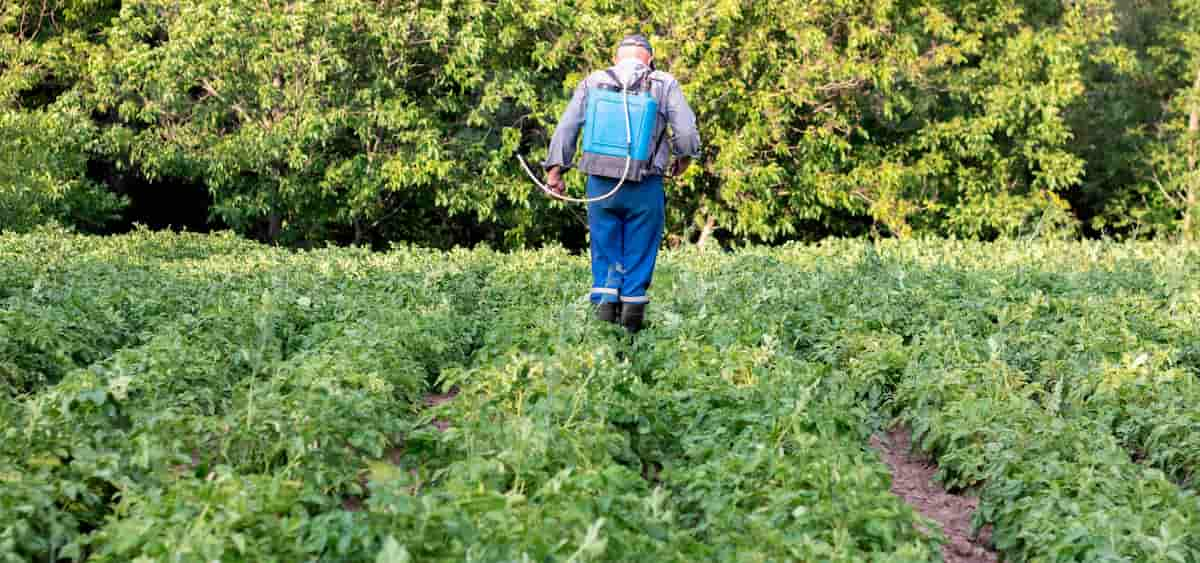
{"points": [[607, 108]]}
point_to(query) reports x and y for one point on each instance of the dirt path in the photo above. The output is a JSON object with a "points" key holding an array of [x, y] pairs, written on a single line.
{"points": [[912, 480]]}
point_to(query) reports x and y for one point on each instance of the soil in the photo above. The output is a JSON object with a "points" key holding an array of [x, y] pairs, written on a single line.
{"points": [[912, 481], [351, 503], [435, 399]]}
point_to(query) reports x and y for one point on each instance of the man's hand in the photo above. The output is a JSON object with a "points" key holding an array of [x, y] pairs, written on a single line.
{"points": [[554, 180], [680, 166]]}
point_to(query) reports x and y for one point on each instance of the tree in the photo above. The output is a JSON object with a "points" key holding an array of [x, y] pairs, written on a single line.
{"points": [[45, 139], [306, 118], [1175, 154], [369, 121]]}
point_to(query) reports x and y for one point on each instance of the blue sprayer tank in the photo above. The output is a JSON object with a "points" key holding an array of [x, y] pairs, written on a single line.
{"points": [[604, 128]]}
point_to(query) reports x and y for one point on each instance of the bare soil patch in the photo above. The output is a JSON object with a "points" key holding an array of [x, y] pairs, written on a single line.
{"points": [[435, 399], [912, 480]]}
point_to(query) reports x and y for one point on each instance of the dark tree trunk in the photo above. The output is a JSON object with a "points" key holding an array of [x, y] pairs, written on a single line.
{"points": [[275, 226]]}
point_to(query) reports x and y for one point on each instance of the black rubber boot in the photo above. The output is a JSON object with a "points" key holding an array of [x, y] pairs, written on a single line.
{"points": [[609, 312], [632, 315]]}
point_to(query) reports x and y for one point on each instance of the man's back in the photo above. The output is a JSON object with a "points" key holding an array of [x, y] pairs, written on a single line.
{"points": [[627, 210]]}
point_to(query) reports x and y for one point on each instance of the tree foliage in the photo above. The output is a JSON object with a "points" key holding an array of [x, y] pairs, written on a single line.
{"points": [[375, 120], [47, 137], [1175, 154]]}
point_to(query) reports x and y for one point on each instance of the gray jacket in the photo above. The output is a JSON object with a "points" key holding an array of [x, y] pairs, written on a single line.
{"points": [[673, 110]]}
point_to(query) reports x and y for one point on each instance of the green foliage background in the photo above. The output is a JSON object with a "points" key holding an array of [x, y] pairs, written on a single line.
{"points": [[377, 120]]}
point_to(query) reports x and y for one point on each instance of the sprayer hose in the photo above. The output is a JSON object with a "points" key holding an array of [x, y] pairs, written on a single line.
{"points": [[628, 161]]}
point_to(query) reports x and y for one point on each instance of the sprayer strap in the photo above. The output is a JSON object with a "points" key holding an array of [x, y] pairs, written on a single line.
{"points": [[636, 86], [641, 80], [613, 76]]}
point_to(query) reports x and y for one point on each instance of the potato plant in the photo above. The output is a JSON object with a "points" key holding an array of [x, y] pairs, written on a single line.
{"points": [[200, 397]]}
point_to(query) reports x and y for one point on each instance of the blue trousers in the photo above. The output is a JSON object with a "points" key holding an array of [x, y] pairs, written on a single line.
{"points": [[626, 232]]}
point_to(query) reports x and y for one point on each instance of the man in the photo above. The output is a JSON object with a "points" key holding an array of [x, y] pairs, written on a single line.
{"points": [[626, 229]]}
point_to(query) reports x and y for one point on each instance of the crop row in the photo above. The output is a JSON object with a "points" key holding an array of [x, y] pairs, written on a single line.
{"points": [[200, 398], [1037, 382], [276, 370], [703, 439], [280, 419]]}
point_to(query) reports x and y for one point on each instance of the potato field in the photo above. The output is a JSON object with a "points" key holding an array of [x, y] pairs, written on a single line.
{"points": [[168, 397]]}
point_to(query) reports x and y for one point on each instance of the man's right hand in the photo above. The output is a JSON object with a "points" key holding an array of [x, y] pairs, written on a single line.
{"points": [[554, 180]]}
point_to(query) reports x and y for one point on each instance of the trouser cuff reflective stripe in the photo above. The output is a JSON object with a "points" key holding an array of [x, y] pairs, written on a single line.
{"points": [[604, 294], [641, 299]]}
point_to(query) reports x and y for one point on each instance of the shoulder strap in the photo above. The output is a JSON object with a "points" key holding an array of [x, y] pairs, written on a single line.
{"points": [[614, 78], [645, 81], [643, 84]]}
